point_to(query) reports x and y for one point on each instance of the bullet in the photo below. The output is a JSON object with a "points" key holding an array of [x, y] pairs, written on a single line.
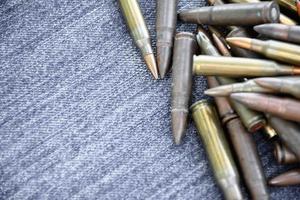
{"points": [[219, 155], [251, 119], [138, 29], [283, 19], [280, 32], [269, 131], [233, 14], [283, 155], [221, 46], [288, 133], [248, 86], [282, 85], [285, 52], [205, 43], [289, 178], [165, 29], [288, 4], [244, 147], [240, 52], [240, 67], [285, 108], [184, 48]]}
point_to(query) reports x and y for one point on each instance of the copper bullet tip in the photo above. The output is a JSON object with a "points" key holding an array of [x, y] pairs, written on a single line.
{"points": [[151, 64], [291, 177], [240, 42], [296, 71]]}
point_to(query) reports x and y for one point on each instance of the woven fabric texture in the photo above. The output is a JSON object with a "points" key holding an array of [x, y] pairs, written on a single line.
{"points": [[81, 117]]}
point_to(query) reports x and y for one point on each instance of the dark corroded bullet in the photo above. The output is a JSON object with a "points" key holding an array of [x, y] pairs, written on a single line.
{"points": [[282, 18], [184, 48], [240, 67], [251, 119], [285, 52], [291, 177], [269, 131], [138, 29], [165, 29], [288, 132], [233, 14], [283, 155], [241, 32], [285, 108], [244, 147], [248, 86], [282, 85], [280, 32], [219, 155]]}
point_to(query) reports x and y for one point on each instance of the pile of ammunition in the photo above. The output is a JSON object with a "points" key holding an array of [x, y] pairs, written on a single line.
{"points": [[252, 78]]}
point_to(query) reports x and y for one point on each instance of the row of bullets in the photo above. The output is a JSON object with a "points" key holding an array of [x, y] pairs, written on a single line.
{"points": [[252, 78]]}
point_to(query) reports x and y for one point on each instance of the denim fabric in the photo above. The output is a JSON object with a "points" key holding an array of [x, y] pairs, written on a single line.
{"points": [[81, 117]]}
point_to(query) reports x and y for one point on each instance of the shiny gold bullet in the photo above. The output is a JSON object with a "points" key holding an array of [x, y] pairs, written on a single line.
{"points": [[281, 51], [212, 135], [139, 32], [240, 67]]}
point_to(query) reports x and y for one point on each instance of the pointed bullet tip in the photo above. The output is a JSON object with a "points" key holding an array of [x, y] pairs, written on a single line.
{"points": [[274, 182], [151, 64], [164, 55], [258, 28], [238, 96], [240, 42], [211, 92], [179, 121], [270, 83]]}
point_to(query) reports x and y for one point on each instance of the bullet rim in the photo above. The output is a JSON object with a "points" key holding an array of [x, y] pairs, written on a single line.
{"points": [[274, 14], [184, 35], [256, 124]]}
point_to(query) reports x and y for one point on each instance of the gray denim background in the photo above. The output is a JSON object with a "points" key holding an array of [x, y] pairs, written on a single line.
{"points": [[80, 116]]}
